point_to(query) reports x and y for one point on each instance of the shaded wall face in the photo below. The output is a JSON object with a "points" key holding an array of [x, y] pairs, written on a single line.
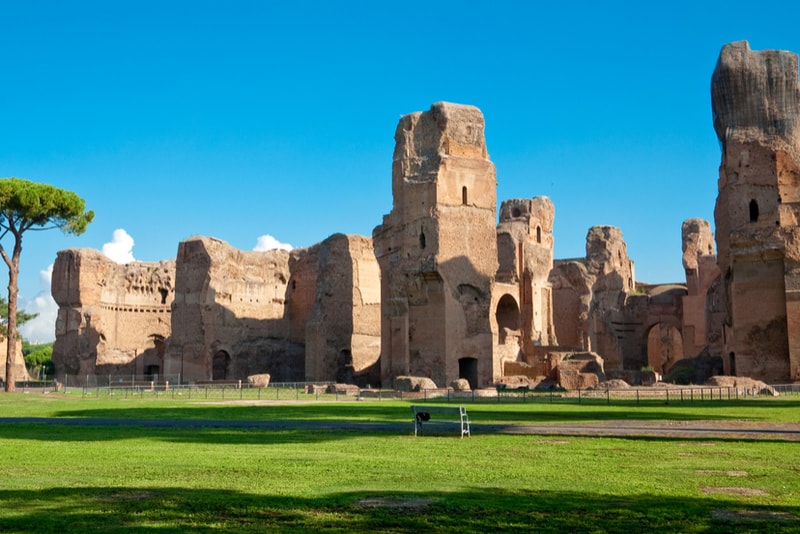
{"points": [[343, 331], [759, 317], [566, 317], [232, 302]]}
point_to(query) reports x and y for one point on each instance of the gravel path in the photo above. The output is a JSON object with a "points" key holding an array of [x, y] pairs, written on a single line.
{"points": [[623, 428]]}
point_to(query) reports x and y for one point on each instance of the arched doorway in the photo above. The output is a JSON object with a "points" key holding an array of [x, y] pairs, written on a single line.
{"points": [[664, 347], [344, 367], [507, 315], [152, 357], [220, 365], [468, 369]]}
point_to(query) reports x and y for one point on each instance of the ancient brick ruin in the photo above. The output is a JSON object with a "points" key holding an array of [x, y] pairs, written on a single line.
{"points": [[447, 290], [756, 100]]}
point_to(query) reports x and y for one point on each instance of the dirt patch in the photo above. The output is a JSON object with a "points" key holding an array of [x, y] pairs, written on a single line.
{"points": [[130, 496], [403, 504], [553, 442], [734, 490], [710, 472], [752, 515]]}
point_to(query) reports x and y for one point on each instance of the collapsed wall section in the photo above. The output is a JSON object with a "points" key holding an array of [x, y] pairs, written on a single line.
{"points": [[342, 330], [229, 317]]}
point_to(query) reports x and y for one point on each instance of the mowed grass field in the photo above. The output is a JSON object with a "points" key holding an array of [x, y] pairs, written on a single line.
{"points": [[132, 478]]}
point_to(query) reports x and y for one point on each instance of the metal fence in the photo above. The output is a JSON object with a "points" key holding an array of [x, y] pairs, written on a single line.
{"points": [[296, 391]]}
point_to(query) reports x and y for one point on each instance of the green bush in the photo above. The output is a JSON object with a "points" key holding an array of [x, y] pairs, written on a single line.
{"points": [[38, 356]]}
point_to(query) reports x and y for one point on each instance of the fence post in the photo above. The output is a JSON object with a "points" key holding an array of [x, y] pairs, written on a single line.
{"points": [[608, 396]]}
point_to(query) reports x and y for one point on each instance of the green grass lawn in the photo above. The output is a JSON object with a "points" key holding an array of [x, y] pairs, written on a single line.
{"points": [[129, 478]]}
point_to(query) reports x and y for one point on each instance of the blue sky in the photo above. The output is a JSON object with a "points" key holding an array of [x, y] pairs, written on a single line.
{"points": [[240, 119]]}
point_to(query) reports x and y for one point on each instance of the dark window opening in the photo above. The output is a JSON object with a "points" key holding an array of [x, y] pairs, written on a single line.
{"points": [[152, 372], [345, 371], [464, 195], [538, 234], [753, 211], [164, 294], [732, 362], [516, 212], [422, 240]]}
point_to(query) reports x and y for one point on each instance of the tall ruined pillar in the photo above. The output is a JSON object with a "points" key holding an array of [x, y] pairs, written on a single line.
{"points": [[437, 249], [700, 266], [756, 99]]}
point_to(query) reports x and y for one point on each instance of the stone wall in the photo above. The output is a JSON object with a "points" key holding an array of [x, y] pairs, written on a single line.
{"points": [[20, 370]]}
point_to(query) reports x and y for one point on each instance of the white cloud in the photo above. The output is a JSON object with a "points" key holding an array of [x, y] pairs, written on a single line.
{"points": [[120, 248], [267, 242], [43, 328]]}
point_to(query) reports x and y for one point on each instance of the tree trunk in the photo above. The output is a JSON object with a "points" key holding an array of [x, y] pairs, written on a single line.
{"points": [[11, 337]]}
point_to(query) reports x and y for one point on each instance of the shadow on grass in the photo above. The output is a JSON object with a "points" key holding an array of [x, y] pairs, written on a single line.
{"points": [[297, 432], [398, 411], [139, 509]]}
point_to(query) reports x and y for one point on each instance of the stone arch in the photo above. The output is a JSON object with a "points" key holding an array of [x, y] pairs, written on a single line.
{"points": [[152, 357], [664, 346], [507, 316], [220, 365]]}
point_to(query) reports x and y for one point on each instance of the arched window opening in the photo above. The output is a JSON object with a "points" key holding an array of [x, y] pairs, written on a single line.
{"points": [[464, 195], [753, 211], [516, 212], [507, 315], [538, 234], [664, 347], [422, 240]]}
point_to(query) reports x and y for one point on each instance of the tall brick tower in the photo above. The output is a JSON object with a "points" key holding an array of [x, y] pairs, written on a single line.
{"points": [[437, 250], [756, 104]]}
